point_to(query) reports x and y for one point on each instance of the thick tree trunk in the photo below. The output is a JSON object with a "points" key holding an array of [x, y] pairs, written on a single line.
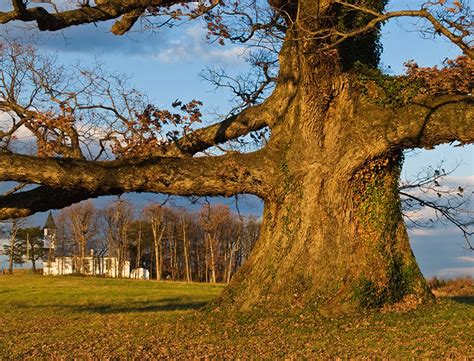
{"points": [[333, 233], [338, 243]]}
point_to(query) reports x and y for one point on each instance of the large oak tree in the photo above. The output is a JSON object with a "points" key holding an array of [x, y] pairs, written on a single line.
{"points": [[332, 234]]}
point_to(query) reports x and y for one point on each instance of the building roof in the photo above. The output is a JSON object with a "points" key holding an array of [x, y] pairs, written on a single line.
{"points": [[50, 222]]}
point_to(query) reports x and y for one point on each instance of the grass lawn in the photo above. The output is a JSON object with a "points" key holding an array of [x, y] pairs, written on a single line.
{"points": [[78, 317]]}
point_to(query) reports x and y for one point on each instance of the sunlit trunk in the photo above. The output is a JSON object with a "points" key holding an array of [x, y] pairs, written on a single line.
{"points": [[332, 234]]}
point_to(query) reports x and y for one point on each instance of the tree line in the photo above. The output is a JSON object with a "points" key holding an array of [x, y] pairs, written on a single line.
{"points": [[207, 245], [24, 243]]}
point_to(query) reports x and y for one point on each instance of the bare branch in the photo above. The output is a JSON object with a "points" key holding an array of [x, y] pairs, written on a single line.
{"points": [[102, 11], [446, 212], [422, 13], [450, 203]]}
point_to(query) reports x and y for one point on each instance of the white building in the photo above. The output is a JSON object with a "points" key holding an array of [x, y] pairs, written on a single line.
{"points": [[54, 265], [140, 273], [92, 266]]}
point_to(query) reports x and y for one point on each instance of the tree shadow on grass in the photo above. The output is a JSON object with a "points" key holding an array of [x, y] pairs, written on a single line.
{"points": [[467, 300], [163, 305]]}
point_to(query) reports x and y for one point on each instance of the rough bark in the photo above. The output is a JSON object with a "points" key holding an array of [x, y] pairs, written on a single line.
{"points": [[337, 242], [65, 181]]}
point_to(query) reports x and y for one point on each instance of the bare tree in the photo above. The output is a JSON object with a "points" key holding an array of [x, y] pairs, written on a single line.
{"points": [[213, 220], [13, 249], [154, 215], [81, 220], [32, 244], [184, 220], [117, 219]]}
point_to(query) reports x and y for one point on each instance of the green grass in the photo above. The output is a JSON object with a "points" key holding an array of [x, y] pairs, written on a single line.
{"points": [[78, 317]]}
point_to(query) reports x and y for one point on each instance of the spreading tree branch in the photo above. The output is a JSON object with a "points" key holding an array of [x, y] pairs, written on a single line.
{"points": [[421, 124], [41, 199], [435, 121], [250, 119], [224, 175], [86, 14]]}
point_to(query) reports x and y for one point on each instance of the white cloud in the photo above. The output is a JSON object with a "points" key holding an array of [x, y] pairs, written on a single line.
{"points": [[422, 214], [466, 258], [6, 123], [193, 46], [229, 54], [467, 182], [424, 232], [174, 52], [447, 233], [455, 272], [448, 183]]}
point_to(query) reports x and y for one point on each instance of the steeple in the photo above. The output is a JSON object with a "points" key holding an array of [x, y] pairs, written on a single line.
{"points": [[50, 225]]}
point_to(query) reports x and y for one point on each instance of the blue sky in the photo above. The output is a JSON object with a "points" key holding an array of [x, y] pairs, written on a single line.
{"points": [[440, 251], [166, 64]]}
